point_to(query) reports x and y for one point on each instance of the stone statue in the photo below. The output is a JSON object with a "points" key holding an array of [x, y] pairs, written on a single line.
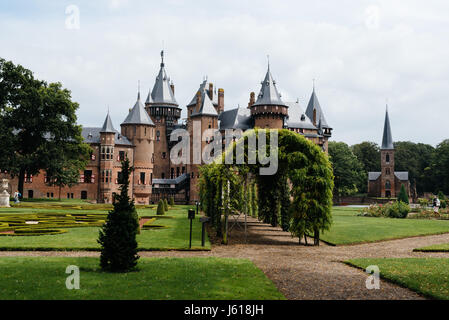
{"points": [[4, 195]]}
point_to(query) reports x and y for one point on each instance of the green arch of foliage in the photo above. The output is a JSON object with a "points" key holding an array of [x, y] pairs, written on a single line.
{"points": [[298, 196]]}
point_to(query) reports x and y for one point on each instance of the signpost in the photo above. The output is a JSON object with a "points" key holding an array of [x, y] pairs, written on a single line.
{"points": [[191, 216]]}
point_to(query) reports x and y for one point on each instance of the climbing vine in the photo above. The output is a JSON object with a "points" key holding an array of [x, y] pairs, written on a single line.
{"points": [[298, 197]]}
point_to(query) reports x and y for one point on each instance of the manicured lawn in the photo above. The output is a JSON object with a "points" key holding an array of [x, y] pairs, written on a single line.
{"points": [[174, 237], [348, 228], [444, 247], [157, 279], [428, 276]]}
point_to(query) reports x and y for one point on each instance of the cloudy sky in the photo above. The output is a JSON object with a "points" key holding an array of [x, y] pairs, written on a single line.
{"points": [[361, 53]]}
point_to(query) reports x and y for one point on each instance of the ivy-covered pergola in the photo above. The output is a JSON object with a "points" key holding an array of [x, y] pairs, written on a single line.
{"points": [[298, 197]]}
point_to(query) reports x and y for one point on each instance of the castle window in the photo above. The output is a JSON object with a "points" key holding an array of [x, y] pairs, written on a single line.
{"points": [[387, 158], [145, 132], [387, 185], [122, 155], [142, 177], [158, 135], [119, 177], [172, 173], [87, 176], [164, 155]]}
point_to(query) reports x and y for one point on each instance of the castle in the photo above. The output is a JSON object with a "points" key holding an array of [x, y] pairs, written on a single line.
{"points": [[144, 138]]}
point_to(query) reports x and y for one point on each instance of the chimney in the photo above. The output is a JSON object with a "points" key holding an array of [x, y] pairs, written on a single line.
{"points": [[172, 86], [220, 101], [211, 91], [198, 101], [252, 99]]}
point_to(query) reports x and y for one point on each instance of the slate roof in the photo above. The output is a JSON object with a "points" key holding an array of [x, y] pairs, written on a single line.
{"points": [[314, 104], [207, 106], [373, 176], [138, 115], [297, 117], [401, 175], [387, 140], [92, 135], [269, 94], [205, 90], [171, 181], [162, 92], [238, 118], [107, 126]]}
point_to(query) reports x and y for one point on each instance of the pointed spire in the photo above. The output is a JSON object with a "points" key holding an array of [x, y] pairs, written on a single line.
{"points": [[387, 139], [138, 115], [138, 91], [314, 111], [107, 126], [162, 92], [269, 94]]}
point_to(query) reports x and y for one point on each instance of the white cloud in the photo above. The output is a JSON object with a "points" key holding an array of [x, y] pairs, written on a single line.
{"points": [[404, 58]]}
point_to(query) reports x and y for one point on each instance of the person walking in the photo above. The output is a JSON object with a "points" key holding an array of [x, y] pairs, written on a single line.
{"points": [[16, 197], [436, 205]]}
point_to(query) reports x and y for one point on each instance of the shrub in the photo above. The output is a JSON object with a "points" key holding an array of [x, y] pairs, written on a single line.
{"points": [[172, 201], [118, 235], [423, 203], [165, 205], [390, 210], [160, 208], [403, 197]]}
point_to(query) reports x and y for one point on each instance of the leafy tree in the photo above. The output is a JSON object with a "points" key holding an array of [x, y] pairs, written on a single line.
{"points": [[403, 197], [160, 208], [440, 167], [38, 122], [368, 154], [118, 235], [348, 170], [416, 158]]}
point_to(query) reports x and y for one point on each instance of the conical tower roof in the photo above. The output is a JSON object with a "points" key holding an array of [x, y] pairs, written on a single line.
{"points": [[162, 91], [387, 139], [138, 115], [107, 126], [314, 105], [269, 94]]}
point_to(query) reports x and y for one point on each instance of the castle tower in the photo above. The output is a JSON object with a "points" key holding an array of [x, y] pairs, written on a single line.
{"points": [[203, 115], [216, 99], [107, 142], [269, 111], [387, 161], [164, 111], [140, 130], [315, 113]]}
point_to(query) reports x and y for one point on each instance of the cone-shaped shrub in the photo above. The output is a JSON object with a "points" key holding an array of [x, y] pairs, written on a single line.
{"points": [[165, 205], [172, 201], [160, 208], [403, 195], [118, 235]]}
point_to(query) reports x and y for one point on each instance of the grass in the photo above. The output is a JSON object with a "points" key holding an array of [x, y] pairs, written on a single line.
{"points": [[157, 279], [444, 247], [427, 276], [174, 237], [348, 228]]}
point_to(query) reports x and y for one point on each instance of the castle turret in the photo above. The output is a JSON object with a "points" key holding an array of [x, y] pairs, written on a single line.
{"points": [[164, 111], [107, 142], [387, 161], [140, 130], [269, 111], [315, 113]]}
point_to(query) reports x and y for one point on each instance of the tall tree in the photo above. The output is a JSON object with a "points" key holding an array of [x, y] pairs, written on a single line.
{"points": [[440, 167], [118, 235], [348, 170], [41, 124], [368, 154]]}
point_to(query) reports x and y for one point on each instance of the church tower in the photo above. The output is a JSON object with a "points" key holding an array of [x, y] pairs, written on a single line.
{"points": [[139, 129], [387, 161], [107, 142], [164, 111], [269, 111]]}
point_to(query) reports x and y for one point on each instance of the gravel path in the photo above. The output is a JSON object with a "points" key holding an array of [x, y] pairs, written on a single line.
{"points": [[303, 272]]}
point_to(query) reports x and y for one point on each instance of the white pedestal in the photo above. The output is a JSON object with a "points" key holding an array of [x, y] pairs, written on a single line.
{"points": [[4, 199]]}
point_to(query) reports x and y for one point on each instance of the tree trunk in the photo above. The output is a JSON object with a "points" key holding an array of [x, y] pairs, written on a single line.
{"points": [[305, 239], [316, 237], [60, 187], [21, 182]]}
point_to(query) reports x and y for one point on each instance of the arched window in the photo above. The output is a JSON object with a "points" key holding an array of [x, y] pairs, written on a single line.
{"points": [[387, 185], [387, 158]]}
